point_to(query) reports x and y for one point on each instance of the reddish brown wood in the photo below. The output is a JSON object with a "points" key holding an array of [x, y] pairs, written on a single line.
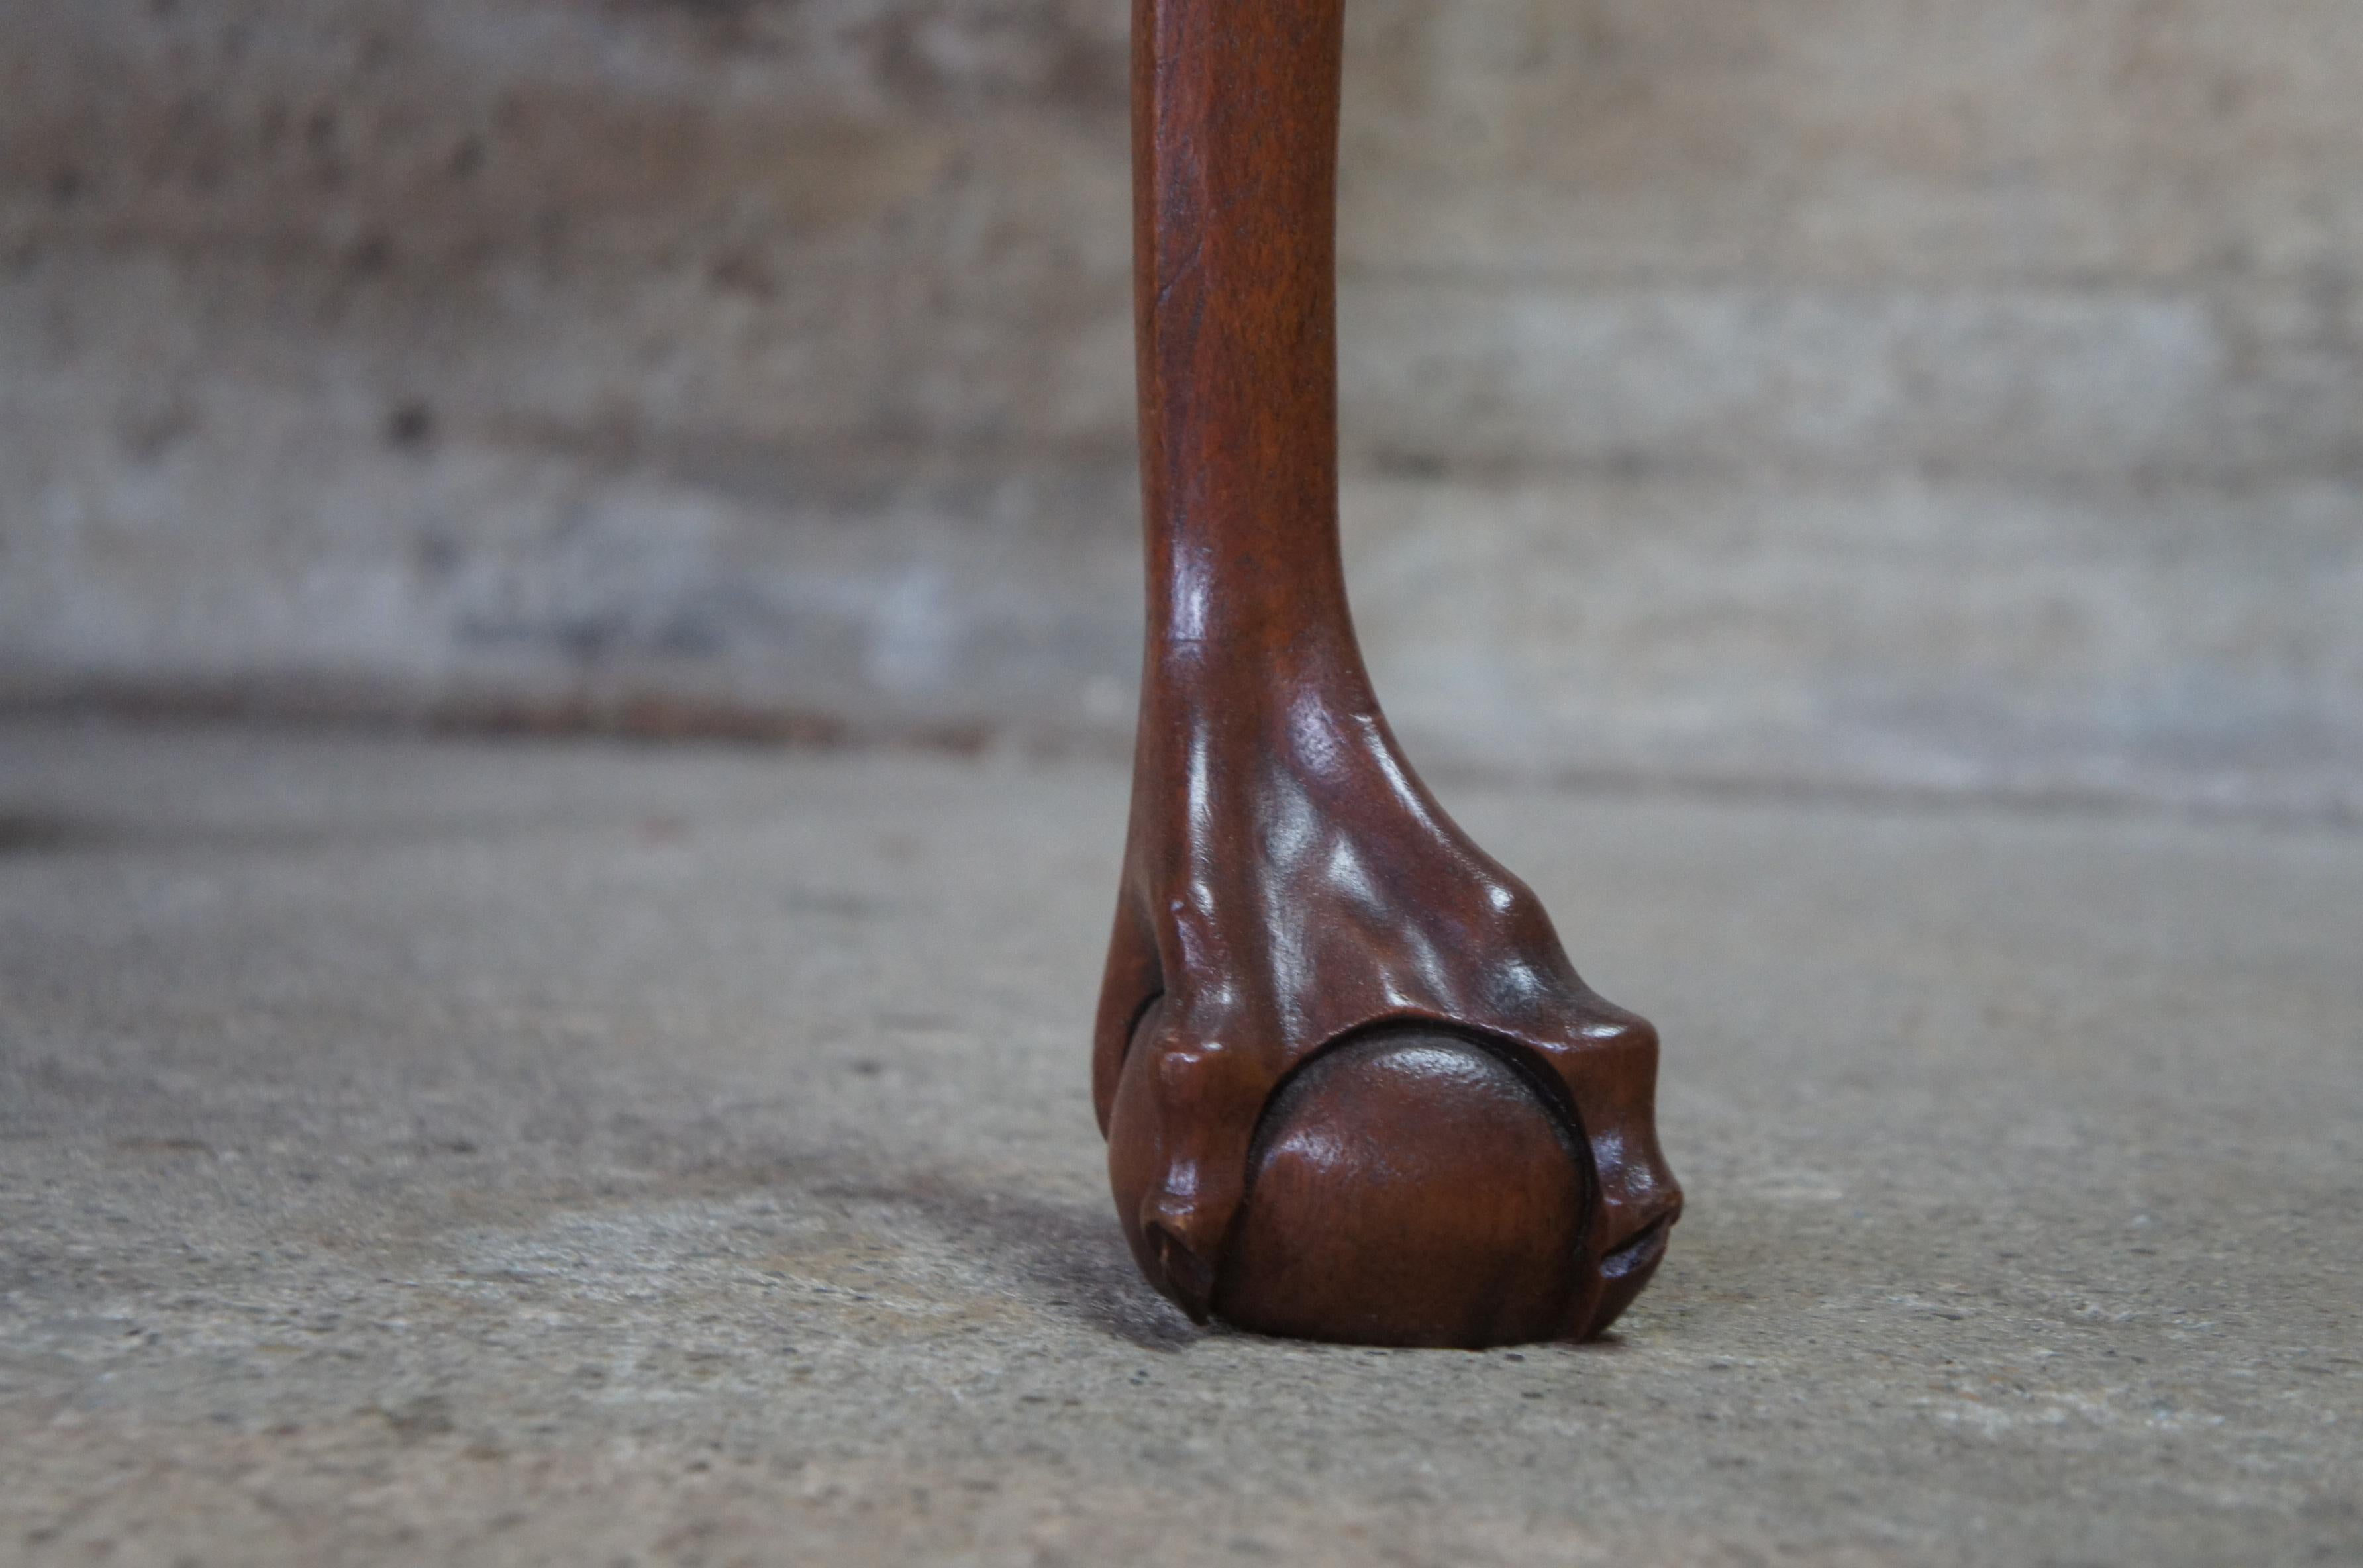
{"points": [[1352, 1087]]}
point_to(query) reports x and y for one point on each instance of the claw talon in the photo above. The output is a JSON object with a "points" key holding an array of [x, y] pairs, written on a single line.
{"points": [[1187, 1277]]}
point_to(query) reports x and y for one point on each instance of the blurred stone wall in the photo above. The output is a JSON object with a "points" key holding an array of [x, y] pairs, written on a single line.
{"points": [[1903, 394]]}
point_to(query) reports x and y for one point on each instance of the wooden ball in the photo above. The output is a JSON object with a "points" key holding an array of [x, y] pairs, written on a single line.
{"points": [[1409, 1188]]}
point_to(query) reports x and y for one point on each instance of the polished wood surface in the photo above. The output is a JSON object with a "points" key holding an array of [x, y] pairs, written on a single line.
{"points": [[1352, 1087], [1339, 1236]]}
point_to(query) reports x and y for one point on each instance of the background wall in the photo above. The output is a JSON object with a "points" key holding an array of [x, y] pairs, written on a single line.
{"points": [[1890, 392]]}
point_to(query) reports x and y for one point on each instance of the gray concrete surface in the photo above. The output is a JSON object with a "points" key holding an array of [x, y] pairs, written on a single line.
{"points": [[1902, 392], [540, 1153]]}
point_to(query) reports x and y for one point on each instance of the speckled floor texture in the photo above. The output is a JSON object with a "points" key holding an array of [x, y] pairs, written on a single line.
{"points": [[504, 1151]]}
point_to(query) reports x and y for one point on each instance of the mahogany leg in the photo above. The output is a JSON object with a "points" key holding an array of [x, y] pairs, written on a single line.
{"points": [[1352, 1087]]}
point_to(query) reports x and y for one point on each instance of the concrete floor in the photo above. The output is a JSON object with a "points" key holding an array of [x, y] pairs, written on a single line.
{"points": [[544, 1152]]}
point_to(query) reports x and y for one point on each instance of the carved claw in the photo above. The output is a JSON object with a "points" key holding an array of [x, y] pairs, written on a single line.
{"points": [[1352, 1087]]}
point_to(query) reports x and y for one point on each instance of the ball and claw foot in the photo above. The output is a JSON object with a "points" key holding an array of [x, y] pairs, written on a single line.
{"points": [[1352, 1087]]}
